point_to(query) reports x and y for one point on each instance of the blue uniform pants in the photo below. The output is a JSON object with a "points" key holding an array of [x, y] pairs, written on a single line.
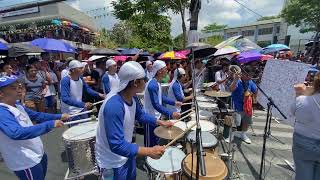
{"points": [[125, 172], [150, 139], [37, 172]]}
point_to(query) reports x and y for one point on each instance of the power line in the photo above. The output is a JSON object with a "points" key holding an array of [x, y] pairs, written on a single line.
{"points": [[248, 8]]}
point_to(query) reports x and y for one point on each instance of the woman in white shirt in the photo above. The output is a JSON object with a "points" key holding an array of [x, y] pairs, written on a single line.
{"points": [[306, 137]]}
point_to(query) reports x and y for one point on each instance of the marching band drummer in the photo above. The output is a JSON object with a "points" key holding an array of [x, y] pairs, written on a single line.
{"points": [[72, 87], [115, 153], [21, 146], [110, 80], [153, 102], [176, 89]]}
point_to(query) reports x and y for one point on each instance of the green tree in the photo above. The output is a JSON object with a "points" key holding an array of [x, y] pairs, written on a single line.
{"points": [[214, 27], [103, 40], [121, 33], [214, 40], [149, 28], [304, 14], [179, 42]]}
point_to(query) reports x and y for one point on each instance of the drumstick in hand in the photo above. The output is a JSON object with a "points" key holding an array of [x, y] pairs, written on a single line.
{"points": [[175, 121], [180, 136], [187, 111], [190, 103]]}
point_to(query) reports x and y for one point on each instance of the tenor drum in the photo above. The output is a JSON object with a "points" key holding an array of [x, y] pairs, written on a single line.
{"points": [[203, 115], [215, 167], [79, 143], [205, 125], [207, 106], [168, 166], [180, 124], [209, 141]]}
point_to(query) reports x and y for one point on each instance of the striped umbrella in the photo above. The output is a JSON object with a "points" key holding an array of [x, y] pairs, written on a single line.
{"points": [[172, 55]]}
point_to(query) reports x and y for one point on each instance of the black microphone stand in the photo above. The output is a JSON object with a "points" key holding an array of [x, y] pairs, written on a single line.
{"points": [[199, 148], [270, 104]]}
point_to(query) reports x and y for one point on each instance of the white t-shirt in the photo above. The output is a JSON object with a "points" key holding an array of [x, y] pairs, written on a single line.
{"points": [[220, 76], [51, 89], [64, 73], [76, 88]]}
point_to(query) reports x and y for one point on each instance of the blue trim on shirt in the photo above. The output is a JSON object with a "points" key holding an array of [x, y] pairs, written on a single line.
{"points": [[176, 89], [106, 83], [153, 89]]}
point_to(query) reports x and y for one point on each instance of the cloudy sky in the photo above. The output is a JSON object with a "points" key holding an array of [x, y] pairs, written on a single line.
{"points": [[220, 11]]}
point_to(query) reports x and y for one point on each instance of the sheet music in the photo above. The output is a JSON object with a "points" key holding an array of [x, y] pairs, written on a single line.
{"points": [[277, 82]]}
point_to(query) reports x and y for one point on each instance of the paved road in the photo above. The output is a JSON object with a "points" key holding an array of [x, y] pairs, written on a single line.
{"points": [[247, 157]]}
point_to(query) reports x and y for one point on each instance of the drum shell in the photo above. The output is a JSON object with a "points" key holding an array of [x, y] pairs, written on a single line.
{"points": [[81, 155], [206, 147]]}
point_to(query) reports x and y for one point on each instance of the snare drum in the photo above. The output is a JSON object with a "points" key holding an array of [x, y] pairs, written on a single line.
{"points": [[79, 142], [202, 98], [205, 125], [215, 167], [208, 106], [209, 141], [203, 115], [180, 124], [168, 164]]}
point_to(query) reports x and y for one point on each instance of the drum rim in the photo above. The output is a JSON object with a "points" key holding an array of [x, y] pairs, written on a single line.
{"points": [[166, 173], [94, 129], [202, 128]]}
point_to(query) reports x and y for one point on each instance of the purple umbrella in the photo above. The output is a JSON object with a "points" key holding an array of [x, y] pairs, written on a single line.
{"points": [[249, 56], [53, 45]]}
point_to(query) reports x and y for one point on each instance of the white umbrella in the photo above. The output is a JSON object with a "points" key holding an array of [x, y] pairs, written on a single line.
{"points": [[95, 57], [226, 50]]}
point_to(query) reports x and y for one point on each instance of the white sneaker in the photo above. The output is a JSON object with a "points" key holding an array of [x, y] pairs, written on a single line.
{"points": [[227, 140], [245, 138]]}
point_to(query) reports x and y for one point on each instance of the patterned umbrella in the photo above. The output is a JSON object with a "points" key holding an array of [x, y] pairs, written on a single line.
{"points": [[226, 50], [172, 55]]}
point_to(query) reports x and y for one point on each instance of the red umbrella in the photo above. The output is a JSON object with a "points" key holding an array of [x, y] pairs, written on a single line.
{"points": [[266, 57]]}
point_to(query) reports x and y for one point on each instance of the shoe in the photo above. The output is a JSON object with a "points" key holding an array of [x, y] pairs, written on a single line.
{"points": [[246, 139], [227, 140]]}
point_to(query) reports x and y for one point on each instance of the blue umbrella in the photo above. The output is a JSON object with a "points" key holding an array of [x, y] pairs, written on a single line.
{"points": [[278, 46], [53, 45], [3, 47], [249, 56], [313, 69]]}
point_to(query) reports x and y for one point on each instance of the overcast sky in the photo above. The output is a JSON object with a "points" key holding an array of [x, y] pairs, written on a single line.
{"points": [[220, 11]]}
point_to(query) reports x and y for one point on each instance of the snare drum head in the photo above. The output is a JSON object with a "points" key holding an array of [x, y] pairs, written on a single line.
{"points": [[170, 162], [208, 140], [81, 131], [180, 124], [207, 105], [205, 115], [202, 98], [205, 125]]}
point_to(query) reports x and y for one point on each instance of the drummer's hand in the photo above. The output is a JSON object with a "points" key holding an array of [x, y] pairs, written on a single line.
{"points": [[178, 104], [300, 89], [176, 115], [165, 123], [58, 123], [156, 152], [103, 96], [65, 117], [88, 105], [236, 76]]}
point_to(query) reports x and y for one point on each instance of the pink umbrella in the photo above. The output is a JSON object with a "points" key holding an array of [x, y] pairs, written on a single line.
{"points": [[172, 55], [184, 52], [266, 57], [120, 58]]}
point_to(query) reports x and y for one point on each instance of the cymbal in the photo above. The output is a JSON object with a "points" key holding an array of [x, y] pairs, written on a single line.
{"points": [[168, 133], [217, 94]]}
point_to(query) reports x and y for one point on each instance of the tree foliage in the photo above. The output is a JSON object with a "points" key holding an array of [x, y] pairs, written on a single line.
{"points": [[214, 27], [304, 14], [104, 40], [145, 25], [214, 40]]}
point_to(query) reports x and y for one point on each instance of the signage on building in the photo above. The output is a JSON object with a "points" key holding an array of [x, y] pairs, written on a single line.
{"points": [[21, 12]]}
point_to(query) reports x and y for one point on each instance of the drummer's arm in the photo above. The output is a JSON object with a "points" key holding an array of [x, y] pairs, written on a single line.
{"points": [[153, 91], [234, 85], [114, 128], [167, 100], [10, 127], [40, 117], [142, 116]]}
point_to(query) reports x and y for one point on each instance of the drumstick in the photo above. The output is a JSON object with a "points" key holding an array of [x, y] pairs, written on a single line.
{"points": [[187, 111], [175, 121], [187, 103], [93, 118], [94, 110], [96, 103], [180, 136]]}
